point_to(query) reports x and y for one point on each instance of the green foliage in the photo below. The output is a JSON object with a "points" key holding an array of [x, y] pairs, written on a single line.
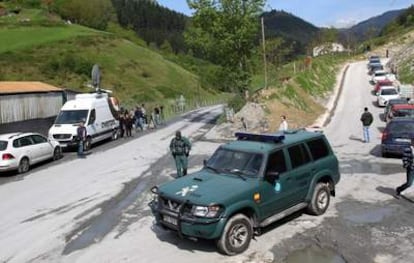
{"points": [[152, 22], [406, 72], [166, 47], [237, 102], [69, 63], [91, 13], [225, 32], [404, 20], [295, 32]]}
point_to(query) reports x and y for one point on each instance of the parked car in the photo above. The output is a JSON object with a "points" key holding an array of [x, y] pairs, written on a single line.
{"points": [[397, 135], [393, 102], [385, 94], [382, 83], [382, 75], [18, 151], [373, 60], [247, 185], [375, 67], [400, 111]]}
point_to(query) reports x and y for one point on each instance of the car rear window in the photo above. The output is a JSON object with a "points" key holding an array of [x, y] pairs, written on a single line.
{"points": [[404, 113], [3, 145], [401, 127]]}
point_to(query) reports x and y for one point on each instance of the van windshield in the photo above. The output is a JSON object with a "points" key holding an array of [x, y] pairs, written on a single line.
{"points": [[71, 116]]}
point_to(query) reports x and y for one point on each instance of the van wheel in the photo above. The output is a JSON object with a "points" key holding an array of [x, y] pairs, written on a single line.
{"points": [[24, 166], [320, 199], [236, 235], [57, 153], [88, 144]]}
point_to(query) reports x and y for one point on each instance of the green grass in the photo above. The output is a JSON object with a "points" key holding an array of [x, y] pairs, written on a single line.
{"points": [[44, 49], [12, 39]]}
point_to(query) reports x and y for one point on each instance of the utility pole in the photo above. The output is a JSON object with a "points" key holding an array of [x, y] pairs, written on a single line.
{"points": [[264, 54]]}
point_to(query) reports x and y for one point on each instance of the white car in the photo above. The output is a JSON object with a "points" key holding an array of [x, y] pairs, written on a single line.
{"points": [[20, 150], [385, 94], [381, 75]]}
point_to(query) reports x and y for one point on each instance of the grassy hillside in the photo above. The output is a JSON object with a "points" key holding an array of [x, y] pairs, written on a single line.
{"points": [[299, 91], [35, 45]]}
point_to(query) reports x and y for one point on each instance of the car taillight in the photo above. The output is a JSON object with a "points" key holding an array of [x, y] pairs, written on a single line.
{"points": [[384, 136], [7, 156]]}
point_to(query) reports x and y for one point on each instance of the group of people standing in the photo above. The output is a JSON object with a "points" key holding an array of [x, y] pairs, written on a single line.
{"points": [[139, 119]]}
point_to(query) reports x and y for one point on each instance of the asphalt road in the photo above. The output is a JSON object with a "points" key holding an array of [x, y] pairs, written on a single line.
{"points": [[95, 210]]}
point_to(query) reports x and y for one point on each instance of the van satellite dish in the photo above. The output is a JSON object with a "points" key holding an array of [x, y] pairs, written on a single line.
{"points": [[96, 77]]}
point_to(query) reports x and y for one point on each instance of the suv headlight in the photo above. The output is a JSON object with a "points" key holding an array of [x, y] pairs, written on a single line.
{"points": [[206, 211]]}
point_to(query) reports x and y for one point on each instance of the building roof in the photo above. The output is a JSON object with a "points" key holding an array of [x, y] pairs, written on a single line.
{"points": [[16, 87]]}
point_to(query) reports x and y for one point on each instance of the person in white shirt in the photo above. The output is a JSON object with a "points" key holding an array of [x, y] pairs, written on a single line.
{"points": [[283, 125]]}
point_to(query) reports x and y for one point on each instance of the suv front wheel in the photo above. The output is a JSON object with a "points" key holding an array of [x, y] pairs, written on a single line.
{"points": [[320, 199], [236, 235]]}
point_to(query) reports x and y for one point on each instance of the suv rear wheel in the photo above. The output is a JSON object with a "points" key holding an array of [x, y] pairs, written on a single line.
{"points": [[320, 199], [236, 235]]}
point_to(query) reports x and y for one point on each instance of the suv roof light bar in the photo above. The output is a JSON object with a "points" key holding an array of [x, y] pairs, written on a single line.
{"points": [[245, 136]]}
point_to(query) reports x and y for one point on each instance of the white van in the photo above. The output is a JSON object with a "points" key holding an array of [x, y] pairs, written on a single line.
{"points": [[98, 113]]}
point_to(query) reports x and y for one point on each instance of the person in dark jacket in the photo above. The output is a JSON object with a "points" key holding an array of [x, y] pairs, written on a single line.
{"points": [[409, 166], [180, 148], [82, 134], [366, 119], [128, 123]]}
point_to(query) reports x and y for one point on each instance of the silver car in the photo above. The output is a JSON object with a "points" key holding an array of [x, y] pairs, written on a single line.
{"points": [[18, 151]]}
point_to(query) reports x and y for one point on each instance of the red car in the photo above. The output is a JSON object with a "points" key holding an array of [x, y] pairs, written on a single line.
{"points": [[400, 110], [382, 83]]}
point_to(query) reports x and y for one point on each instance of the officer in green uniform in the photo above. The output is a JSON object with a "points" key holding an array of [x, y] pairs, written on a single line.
{"points": [[180, 148]]}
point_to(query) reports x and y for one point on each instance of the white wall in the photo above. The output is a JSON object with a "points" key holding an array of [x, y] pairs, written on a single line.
{"points": [[22, 107]]}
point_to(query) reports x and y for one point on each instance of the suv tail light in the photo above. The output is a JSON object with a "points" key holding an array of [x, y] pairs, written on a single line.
{"points": [[7, 156], [384, 136]]}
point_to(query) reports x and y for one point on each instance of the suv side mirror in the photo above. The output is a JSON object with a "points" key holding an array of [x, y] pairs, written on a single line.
{"points": [[271, 177], [205, 162]]}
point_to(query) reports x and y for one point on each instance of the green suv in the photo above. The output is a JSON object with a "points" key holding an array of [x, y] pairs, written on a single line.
{"points": [[248, 184]]}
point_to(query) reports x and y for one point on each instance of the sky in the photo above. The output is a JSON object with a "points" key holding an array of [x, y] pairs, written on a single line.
{"points": [[322, 13]]}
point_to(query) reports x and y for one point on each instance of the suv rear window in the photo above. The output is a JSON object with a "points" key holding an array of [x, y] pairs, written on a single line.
{"points": [[3, 145], [398, 127], [318, 148]]}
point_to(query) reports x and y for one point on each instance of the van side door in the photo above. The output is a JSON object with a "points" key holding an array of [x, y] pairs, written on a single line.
{"points": [[92, 127], [302, 169]]}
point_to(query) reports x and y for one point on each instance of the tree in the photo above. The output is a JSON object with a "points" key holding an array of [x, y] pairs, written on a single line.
{"points": [[225, 32], [92, 13], [48, 4]]}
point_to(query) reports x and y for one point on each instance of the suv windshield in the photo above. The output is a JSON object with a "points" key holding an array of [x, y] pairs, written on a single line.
{"points": [[3, 145], [225, 160], [71, 116]]}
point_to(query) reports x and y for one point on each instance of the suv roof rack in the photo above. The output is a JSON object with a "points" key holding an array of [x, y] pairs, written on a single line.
{"points": [[246, 136]]}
